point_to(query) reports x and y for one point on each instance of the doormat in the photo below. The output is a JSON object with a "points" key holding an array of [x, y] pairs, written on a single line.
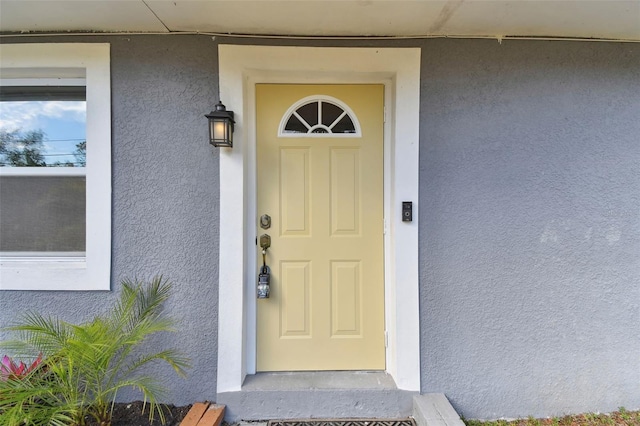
{"points": [[343, 422]]}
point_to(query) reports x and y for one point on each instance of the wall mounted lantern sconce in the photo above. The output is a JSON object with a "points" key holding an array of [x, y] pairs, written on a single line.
{"points": [[221, 126]]}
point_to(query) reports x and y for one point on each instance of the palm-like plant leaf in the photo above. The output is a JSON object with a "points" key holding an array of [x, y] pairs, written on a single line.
{"points": [[86, 365], [171, 356], [39, 334], [151, 389], [34, 400]]}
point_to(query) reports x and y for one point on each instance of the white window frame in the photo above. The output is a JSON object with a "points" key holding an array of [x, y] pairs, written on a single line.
{"points": [[41, 64]]}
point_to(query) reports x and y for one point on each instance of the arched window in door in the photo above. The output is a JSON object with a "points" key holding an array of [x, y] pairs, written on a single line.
{"points": [[319, 116]]}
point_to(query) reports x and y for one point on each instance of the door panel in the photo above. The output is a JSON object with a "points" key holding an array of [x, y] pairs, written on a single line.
{"points": [[346, 298], [294, 299], [345, 191], [325, 197], [294, 191]]}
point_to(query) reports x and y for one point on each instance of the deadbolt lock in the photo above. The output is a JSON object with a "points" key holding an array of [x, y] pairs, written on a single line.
{"points": [[265, 221]]}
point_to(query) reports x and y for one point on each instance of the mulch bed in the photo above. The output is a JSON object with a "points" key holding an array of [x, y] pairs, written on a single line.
{"points": [[130, 414]]}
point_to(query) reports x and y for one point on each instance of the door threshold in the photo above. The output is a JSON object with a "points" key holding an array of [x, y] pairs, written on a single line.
{"points": [[306, 380]]}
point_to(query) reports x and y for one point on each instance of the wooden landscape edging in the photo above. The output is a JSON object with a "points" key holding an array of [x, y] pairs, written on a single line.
{"points": [[204, 414]]}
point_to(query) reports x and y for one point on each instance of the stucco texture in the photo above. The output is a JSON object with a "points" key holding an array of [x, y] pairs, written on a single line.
{"points": [[530, 226], [529, 216], [165, 192]]}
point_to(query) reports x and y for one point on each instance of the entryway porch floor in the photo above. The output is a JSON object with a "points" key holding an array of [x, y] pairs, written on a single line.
{"points": [[302, 380], [324, 394]]}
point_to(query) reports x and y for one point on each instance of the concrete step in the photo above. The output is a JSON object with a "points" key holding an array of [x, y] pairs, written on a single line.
{"points": [[305, 395], [434, 409]]}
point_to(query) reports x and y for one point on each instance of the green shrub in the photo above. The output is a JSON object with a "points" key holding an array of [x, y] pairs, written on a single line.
{"points": [[84, 366]]}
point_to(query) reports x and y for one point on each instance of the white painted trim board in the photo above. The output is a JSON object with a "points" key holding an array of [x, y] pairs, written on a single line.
{"points": [[241, 67]]}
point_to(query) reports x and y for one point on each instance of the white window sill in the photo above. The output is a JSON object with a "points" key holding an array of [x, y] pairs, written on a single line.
{"points": [[51, 273]]}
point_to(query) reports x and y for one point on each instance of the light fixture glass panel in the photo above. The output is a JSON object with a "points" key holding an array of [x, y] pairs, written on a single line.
{"points": [[219, 129]]}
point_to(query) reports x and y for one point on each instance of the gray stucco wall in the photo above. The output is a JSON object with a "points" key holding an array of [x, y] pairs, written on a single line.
{"points": [[165, 192], [530, 226], [529, 212]]}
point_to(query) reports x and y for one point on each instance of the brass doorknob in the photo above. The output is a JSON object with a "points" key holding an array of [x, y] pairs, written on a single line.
{"points": [[265, 241]]}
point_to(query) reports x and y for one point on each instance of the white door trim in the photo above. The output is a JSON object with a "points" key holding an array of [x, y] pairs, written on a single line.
{"points": [[241, 67]]}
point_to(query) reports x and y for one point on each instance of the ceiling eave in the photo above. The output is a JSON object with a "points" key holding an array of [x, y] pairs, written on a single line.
{"points": [[611, 20]]}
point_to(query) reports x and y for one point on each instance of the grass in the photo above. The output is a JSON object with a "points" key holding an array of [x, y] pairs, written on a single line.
{"points": [[621, 417]]}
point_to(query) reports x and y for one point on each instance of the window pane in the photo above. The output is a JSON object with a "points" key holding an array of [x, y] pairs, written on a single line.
{"points": [[295, 126], [43, 126], [309, 113], [345, 125], [330, 113], [320, 117], [42, 214]]}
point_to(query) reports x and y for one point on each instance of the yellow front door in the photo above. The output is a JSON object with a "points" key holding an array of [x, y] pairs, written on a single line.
{"points": [[320, 179]]}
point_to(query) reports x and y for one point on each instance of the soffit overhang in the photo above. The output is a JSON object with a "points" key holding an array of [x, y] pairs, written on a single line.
{"points": [[601, 19]]}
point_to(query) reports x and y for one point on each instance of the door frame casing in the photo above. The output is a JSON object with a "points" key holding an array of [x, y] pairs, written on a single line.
{"points": [[240, 69]]}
